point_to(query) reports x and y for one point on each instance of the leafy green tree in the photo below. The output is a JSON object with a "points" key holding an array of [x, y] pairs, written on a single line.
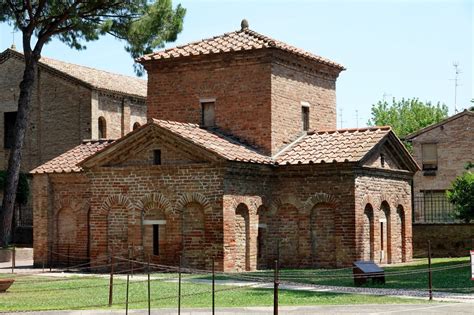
{"points": [[406, 116], [461, 195], [143, 25]]}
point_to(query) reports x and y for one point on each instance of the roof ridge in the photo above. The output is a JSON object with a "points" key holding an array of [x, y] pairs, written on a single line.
{"points": [[272, 42], [174, 122], [43, 58], [218, 133], [363, 129], [85, 141], [88, 76], [91, 68], [235, 41], [195, 42]]}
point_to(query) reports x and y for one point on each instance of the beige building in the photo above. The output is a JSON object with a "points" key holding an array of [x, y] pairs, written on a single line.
{"points": [[70, 103]]}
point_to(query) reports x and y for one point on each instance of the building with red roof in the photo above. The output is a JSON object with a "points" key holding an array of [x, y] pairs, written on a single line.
{"points": [[240, 163]]}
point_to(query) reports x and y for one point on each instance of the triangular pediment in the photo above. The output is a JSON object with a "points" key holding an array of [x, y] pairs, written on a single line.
{"points": [[137, 149], [390, 154]]}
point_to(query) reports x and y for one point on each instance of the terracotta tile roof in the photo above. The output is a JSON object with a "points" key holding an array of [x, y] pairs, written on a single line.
{"points": [[343, 145], [67, 162], [338, 146], [213, 141], [94, 78], [241, 40]]}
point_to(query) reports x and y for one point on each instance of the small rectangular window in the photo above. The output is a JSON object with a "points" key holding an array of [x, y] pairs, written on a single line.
{"points": [[157, 157], [305, 117], [156, 239], [9, 120], [208, 115], [429, 152]]}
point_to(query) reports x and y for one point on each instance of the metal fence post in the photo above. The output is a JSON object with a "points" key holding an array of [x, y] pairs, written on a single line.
{"points": [[149, 289], [126, 299], [50, 256], [276, 282], [179, 286], [13, 259], [130, 257], [68, 257], [213, 287], [111, 283], [430, 279]]}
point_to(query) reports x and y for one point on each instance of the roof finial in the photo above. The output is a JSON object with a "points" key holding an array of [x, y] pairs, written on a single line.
{"points": [[13, 47], [244, 24]]}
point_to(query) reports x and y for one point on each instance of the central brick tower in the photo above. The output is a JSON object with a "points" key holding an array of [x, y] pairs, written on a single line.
{"points": [[257, 89]]}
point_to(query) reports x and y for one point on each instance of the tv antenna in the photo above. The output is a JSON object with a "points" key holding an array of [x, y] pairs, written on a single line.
{"points": [[357, 118], [340, 118], [456, 79]]}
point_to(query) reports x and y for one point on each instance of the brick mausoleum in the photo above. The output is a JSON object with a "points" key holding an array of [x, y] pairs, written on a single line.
{"points": [[240, 161]]}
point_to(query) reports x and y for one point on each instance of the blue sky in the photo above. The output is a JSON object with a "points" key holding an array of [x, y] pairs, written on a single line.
{"points": [[392, 48]]}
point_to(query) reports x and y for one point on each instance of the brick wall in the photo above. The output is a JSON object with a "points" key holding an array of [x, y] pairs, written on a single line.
{"points": [[169, 156], [244, 86], [240, 86], [60, 219], [193, 190], [244, 216], [63, 113], [59, 117], [383, 215], [292, 86], [282, 205], [455, 148], [447, 240], [119, 112]]}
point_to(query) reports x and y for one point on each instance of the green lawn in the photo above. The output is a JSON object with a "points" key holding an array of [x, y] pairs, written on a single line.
{"points": [[91, 292], [408, 276], [42, 293]]}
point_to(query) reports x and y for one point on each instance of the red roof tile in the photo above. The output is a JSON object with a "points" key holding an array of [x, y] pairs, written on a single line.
{"points": [[225, 146], [94, 78], [343, 145], [337, 146], [67, 162], [241, 40]]}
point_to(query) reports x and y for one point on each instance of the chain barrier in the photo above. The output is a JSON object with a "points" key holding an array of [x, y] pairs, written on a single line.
{"points": [[167, 273]]}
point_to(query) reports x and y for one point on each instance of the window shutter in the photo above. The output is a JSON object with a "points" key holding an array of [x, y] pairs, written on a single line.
{"points": [[430, 153]]}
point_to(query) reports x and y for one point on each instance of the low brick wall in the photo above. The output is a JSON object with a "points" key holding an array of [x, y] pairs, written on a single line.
{"points": [[447, 240]]}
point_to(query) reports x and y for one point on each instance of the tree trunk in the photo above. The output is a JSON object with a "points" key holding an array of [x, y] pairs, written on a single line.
{"points": [[14, 161]]}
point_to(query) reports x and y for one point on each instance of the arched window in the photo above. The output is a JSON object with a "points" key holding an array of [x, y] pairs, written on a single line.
{"points": [[368, 233], [136, 125], [242, 238], [385, 233], [102, 128]]}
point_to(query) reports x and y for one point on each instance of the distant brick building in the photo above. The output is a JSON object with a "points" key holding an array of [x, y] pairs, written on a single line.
{"points": [[70, 103], [442, 150], [240, 161]]}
